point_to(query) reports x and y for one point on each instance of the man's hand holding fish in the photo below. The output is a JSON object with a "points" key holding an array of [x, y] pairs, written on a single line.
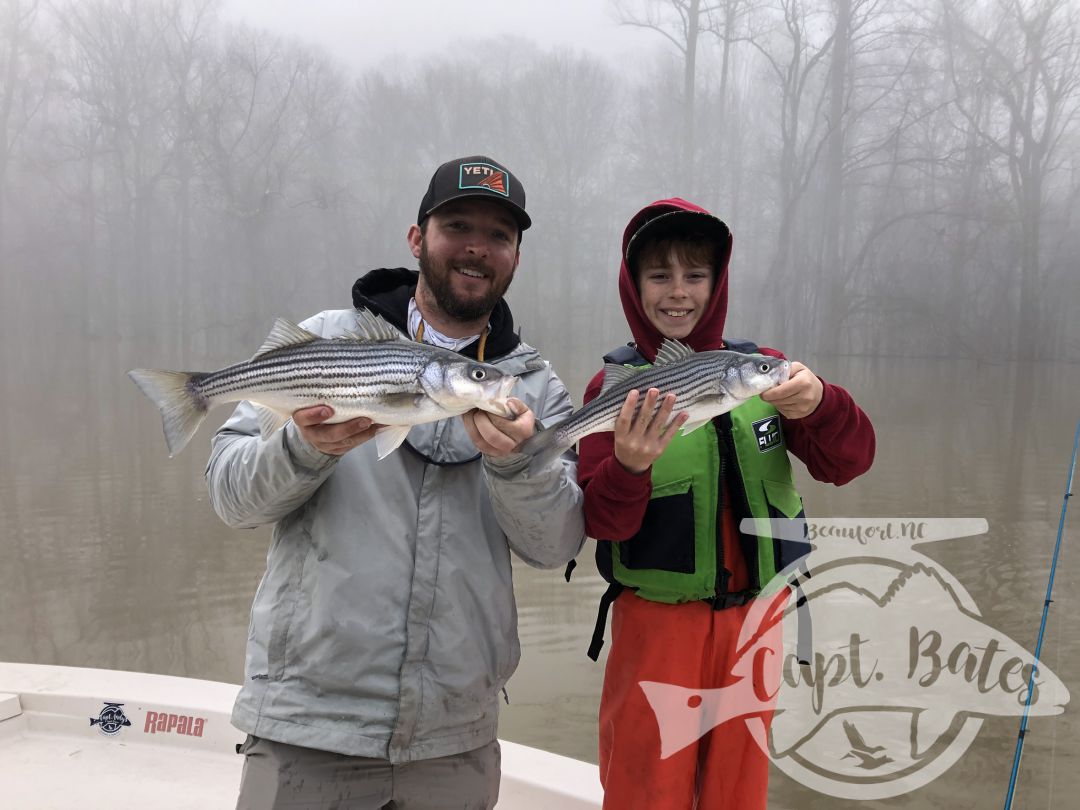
{"points": [[333, 439], [499, 436]]}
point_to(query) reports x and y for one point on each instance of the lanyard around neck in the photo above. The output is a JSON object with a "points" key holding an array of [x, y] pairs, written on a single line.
{"points": [[479, 348]]}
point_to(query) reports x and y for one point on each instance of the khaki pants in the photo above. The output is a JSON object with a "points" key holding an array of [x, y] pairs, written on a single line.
{"points": [[279, 776]]}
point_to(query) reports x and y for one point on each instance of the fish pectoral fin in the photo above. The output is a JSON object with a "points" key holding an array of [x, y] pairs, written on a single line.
{"points": [[270, 421], [690, 427], [705, 410], [389, 438], [406, 400], [285, 333]]}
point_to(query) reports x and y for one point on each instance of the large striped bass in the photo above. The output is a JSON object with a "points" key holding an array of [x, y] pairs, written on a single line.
{"points": [[375, 372], [706, 384]]}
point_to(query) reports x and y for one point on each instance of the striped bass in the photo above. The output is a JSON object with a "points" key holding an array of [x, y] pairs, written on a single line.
{"points": [[706, 384], [375, 372]]}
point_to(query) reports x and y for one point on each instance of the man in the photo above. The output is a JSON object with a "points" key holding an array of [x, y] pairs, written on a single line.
{"points": [[385, 625]]}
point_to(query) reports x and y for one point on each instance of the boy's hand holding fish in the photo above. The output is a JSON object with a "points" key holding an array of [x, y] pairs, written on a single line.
{"points": [[642, 435], [799, 396], [498, 436]]}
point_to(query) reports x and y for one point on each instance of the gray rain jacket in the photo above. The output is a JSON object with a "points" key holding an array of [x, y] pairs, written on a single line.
{"points": [[385, 624]]}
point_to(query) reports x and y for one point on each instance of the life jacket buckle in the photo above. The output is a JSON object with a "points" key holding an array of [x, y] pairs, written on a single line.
{"points": [[724, 601]]}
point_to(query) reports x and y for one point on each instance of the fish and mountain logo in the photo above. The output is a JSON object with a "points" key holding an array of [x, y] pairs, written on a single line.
{"points": [[111, 719], [902, 672], [485, 176]]}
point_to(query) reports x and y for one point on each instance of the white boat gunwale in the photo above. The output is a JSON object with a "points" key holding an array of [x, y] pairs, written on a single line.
{"points": [[179, 749]]}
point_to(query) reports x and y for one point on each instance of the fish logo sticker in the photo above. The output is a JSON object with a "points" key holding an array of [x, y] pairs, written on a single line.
{"points": [[111, 719], [901, 672], [767, 433], [485, 176]]}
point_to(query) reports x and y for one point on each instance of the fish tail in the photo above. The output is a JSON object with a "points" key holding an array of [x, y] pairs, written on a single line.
{"points": [[182, 407], [544, 447]]}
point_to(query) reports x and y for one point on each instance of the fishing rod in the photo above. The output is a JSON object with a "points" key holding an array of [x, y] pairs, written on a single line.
{"points": [[1042, 626]]}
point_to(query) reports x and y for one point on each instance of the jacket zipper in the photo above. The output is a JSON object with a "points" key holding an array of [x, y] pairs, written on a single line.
{"points": [[721, 569], [738, 497]]}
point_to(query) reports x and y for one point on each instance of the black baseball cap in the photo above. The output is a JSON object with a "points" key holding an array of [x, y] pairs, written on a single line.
{"points": [[475, 177], [677, 224]]}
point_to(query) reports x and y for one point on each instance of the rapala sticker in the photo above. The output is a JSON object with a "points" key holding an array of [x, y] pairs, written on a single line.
{"points": [[484, 175], [168, 723], [111, 719], [767, 433]]}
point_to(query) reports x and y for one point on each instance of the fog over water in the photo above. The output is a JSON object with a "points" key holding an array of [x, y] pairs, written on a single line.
{"points": [[903, 193]]}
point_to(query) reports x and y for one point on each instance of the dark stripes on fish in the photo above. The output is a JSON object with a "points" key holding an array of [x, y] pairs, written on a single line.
{"points": [[375, 372], [706, 384]]}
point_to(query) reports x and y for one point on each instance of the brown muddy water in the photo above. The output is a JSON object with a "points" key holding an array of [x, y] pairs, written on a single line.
{"points": [[110, 555]]}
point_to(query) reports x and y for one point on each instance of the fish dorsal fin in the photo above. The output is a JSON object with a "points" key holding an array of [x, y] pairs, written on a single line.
{"points": [[671, 351], [373, 328], [285, 333], [615, 374]]}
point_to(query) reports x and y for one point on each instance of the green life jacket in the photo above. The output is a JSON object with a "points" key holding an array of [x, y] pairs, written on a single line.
{"points": [[677, 554]]}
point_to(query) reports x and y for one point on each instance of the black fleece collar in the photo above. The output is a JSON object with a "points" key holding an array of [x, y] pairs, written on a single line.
{"points": [[387, 291]]}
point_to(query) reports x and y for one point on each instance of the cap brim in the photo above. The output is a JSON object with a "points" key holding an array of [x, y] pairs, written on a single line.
{"points": [[678, 223], [516, 210]]}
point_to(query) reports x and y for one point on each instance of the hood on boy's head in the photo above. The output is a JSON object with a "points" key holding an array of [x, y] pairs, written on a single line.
{"points": [[661, 216]]}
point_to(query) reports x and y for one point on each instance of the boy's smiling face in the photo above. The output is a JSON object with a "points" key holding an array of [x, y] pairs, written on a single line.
{"points": [[675, 289]]}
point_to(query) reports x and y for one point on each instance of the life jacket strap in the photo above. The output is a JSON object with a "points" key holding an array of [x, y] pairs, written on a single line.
{"points": [[613, 591], [726, 600], [804, 648]]}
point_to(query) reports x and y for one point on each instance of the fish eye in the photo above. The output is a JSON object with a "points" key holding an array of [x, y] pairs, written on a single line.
{"points": [[764, 368], [478, 374]]}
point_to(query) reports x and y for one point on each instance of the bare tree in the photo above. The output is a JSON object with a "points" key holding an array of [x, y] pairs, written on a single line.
{"points": [[681, 22], [1028, 57], [726, 24], [188, 48], [121, 86], [565, 111], [796, 58], [267, 107], [23, 86]]}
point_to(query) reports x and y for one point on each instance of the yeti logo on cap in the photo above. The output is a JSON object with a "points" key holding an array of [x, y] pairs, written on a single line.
{"points": [[485, 176]]}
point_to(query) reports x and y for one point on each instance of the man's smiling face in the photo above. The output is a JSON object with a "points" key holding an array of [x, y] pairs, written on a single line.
{"points": [[468, 251]]}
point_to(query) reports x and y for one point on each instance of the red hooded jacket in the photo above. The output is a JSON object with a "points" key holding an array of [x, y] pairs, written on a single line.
{"points": [[836, 441]]}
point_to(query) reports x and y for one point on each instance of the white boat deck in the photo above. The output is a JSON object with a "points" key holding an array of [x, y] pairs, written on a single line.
{"points": [[178, 749]]}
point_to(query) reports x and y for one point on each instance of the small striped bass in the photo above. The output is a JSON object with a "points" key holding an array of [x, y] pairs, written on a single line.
{"points": [[375, 372], [706, 384]]}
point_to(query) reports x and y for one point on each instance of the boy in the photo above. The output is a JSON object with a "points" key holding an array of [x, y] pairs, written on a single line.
{"points": [[666, 506]]}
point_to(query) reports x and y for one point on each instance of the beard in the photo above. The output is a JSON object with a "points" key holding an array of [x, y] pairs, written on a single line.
{"points": [[439, 279]]}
